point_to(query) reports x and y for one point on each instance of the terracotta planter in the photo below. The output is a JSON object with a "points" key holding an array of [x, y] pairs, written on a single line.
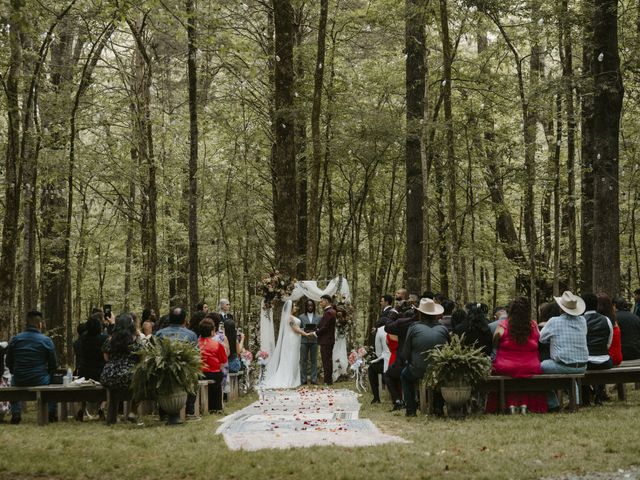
{"points": [[172, 403], [456, 396]]}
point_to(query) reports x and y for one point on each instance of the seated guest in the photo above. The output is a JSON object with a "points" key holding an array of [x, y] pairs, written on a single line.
{"points": [[213, 357], [380, 365], [422, 336], [475, 328], [120, 357], [499, 314], [516, 342], [599, 334], [147, 330], [89, 353], [547, 311], [605, 307], [177, 332], [629, 329], [31, 359], [567, 336]]}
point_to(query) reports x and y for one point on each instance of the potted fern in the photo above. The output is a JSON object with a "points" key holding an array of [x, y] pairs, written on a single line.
{"points": [[167, 371], [456, 368]]}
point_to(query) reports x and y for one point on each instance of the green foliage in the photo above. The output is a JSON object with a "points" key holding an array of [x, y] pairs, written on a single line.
{"points": [[457, 363], [166, 366]]}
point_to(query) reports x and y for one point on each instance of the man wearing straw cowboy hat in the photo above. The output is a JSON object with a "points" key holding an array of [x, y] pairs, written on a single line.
{"points": [[567, 335], [422, 336]]}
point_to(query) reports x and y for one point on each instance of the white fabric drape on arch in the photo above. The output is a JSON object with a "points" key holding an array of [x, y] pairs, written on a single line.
{"points": [[302, 288]]}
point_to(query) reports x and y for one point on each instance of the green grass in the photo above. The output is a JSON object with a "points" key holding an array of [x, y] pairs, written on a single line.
{"points": [[598, 439]]}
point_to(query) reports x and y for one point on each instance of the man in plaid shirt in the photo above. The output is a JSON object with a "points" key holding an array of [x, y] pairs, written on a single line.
{"points": [[567, 335]]}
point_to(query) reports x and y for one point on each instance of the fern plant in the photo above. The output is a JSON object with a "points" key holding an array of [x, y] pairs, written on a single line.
{"points": [[166, 367], [455, 363]]}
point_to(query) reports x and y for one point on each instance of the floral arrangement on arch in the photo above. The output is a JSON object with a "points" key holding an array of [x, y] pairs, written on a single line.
{"points": [[275, 286], [343, 314]]}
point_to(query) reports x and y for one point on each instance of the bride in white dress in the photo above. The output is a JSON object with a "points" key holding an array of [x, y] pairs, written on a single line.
{"points": [[283, 369]]}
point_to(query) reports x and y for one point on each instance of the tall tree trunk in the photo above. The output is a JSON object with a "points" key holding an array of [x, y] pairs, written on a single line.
{"points": [[301, 155], [285, 205], [569, 213], [313, 239], [451, 163], [415, 85], [587, 150], [193, 156], [607, 107], [11, 179], [128, 256]]}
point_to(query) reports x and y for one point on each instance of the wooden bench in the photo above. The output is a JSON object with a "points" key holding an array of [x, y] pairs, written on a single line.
{"points": [[626, 372], [234, 385], [61, 394], [502, 385]]}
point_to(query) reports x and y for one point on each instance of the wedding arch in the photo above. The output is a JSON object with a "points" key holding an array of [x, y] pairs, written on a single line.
{"points": [[303, 288]]}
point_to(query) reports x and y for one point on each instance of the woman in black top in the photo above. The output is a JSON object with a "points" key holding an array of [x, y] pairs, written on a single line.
{"points": [[90, 357], [474, 326]]}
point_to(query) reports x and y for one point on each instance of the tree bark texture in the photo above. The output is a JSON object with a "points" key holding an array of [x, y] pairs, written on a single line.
{"points": [[607, 107], [285, 205], [415, 85]]}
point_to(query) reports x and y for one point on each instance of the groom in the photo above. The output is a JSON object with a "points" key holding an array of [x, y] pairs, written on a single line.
{"points": [[326, 334]]}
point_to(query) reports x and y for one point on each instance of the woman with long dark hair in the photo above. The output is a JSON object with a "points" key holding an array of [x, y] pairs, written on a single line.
{"points": [[516, 342], [120, 356], [90, 359], [474, 326]]}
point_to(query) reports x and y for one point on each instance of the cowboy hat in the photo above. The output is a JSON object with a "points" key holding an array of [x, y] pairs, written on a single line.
{"points": [[570, 303], [429, 307]]}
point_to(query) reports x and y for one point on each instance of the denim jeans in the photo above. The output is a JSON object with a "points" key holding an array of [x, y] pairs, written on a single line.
{"points": [[308, 354], [549, 366], [409, 379], [16, 407]]}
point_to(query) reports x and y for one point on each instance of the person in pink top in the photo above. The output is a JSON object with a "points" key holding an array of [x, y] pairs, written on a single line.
{"points": [[213, 356], [516, 343]]}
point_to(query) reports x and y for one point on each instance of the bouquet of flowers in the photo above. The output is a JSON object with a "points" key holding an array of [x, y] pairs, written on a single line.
{"points": [[275, 286], [247, 357], [263, 357]]}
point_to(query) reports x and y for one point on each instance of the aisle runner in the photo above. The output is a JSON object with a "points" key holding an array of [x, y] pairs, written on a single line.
{"points": [[301, 418]]}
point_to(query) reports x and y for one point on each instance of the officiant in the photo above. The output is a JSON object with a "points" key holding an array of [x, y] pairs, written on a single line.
{"points": [[309, 345]]}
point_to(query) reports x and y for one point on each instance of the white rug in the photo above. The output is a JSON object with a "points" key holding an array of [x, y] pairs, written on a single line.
{"points": [[301, 418]]}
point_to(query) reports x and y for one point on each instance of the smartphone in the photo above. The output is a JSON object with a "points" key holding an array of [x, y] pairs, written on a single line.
{"points": [[107, 310]]}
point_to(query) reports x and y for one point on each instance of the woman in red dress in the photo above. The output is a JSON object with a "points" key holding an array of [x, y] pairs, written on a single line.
{"points": [[516, 341]]}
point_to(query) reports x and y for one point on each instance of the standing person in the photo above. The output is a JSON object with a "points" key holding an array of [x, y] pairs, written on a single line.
{"points": [[213, 356], [422, 336], [402, 302], [224, 308], [326, 335], [309, 321], [397, 331], [516, 343], [567, 336], [283, 369], [202, 307], [380, 365], [629, 330], [636, 305], [177, 331], [448, 306], [31, 359]]}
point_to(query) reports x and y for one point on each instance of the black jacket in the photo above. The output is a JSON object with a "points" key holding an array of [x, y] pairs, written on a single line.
{"points": [[629, 334]]}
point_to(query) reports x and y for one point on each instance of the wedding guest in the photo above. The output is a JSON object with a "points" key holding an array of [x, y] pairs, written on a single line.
{"points": [[499, 314], [219, 331], [213, 357], [475, 328], [567, 336], [402, 301], [516, 343], [202, 307], [629, 330], [224, 309], [31, 359], [398, 329], [380, 365], [90, 357], [120, 357], [448, 306], [422, 336], [309, 320], [147, 330], [599, 334], [177, 331], [636, 306], [194, 321], [605, 307], [148, 315]]}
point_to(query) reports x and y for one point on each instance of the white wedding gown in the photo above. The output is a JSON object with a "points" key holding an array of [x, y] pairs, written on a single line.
{"points": [[283, 369]]}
